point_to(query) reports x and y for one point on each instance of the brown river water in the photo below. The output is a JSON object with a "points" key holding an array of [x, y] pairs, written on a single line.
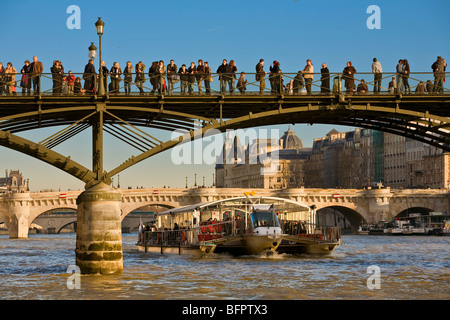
{"points": [[409, 267]]}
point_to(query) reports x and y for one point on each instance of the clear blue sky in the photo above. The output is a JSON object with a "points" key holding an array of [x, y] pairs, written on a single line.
{"points": [[287, 30]]}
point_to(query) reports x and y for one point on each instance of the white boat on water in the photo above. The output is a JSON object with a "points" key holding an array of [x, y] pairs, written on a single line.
{"points": [[418, 224], [238, 226]]}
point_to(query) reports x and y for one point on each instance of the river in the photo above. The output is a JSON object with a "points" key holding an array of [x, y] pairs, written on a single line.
{"points": [[409, 267]]}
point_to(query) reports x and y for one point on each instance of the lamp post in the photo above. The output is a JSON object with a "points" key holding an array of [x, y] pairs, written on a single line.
{"points": [[99, 25]]}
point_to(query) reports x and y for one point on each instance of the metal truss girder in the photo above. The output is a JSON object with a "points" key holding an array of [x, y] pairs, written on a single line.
{"points": [[51, 157]]}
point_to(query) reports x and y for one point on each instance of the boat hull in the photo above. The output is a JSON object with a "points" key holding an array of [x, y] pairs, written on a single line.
{"points": [[195, 250], [289, 247], [250, 245]]}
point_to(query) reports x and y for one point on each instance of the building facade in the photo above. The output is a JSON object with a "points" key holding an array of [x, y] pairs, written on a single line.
{"points": [[13, 182]]}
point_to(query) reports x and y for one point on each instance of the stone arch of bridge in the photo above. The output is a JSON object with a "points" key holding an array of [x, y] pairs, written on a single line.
{"points": [[66, 225], [130, 207], [404, 210], [355, 215], [38, 211]]}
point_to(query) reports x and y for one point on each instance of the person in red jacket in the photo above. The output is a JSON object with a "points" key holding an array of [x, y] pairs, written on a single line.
{"points": [[70, 79]]}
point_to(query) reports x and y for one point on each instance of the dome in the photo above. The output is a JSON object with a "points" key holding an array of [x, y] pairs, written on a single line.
{"points": [[289, 140]]}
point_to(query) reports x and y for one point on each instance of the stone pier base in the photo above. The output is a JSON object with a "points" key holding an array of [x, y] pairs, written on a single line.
{"points": [[99, 232], [16, 214]]}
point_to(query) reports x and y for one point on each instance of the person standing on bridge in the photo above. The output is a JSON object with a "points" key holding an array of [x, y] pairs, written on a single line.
{"points": [[260, 76], [231, 70], [349, 77], [153, 76], [192, 70], [105, 75], [161, 72], [308, 75], [298, 83], [406, 71], [184, 78], [2, 79], [10, 73], [325, 79], [36, 69], [89, 76], [439, 74], [222, 78], [140, 76], [200, 74], [172, 76], [400, 72], [56, 77], [115, 77], [128, 77], [26, 81], [207, 78], [377, 71]]}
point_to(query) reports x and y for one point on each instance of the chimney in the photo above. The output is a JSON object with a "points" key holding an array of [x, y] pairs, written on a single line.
{"points": [[6, 173]]}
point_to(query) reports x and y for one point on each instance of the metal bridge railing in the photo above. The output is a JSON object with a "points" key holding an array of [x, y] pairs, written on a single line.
{"points": [[79, 84]]}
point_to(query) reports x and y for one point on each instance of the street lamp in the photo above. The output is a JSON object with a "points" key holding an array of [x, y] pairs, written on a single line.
{"points": [[99, 25], [92, 51]]}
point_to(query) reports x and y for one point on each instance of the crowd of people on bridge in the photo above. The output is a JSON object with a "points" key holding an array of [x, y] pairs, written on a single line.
{"points": [[163, 78]]}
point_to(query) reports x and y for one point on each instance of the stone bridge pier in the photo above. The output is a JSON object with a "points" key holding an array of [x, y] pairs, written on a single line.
{"points": [[99, 231], [15, 212]]}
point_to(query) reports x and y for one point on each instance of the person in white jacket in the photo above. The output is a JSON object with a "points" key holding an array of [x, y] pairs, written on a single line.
{"points": [[377, 71]]}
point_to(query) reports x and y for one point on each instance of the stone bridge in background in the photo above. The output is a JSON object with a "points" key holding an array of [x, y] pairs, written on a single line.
{"points": [[19, 210]]}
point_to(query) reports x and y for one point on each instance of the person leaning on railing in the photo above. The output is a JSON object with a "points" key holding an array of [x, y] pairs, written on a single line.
{"points": [[70, 80]]}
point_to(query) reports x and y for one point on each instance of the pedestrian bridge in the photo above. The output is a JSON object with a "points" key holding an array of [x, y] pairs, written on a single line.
{"points": [[139, 120], [20, 210]]}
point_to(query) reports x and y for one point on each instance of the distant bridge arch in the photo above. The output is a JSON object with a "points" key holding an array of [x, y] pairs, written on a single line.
{"points": [[354, 214]]}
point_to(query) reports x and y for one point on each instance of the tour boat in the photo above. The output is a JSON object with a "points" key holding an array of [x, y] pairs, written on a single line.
{"points": [[238, 226]]}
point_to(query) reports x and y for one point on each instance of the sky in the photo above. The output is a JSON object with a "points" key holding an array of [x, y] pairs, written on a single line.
{"points": [[289, 31]]}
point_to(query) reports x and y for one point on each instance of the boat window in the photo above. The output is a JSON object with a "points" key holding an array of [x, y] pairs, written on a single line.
{"points": [[264, 219]]}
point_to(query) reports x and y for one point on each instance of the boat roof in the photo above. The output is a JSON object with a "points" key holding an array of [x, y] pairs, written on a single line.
{"points": [[199, 206]]}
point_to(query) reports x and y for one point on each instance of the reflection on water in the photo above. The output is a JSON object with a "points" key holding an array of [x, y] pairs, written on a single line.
{"points": [[411, 268]]}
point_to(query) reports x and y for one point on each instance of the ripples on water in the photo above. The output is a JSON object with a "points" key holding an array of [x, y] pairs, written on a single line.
{"points": [[411, 268]]}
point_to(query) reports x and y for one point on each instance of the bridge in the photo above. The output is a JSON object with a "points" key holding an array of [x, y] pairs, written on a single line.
{"points": [[20, 210], [57, 221], [139, 120]]}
